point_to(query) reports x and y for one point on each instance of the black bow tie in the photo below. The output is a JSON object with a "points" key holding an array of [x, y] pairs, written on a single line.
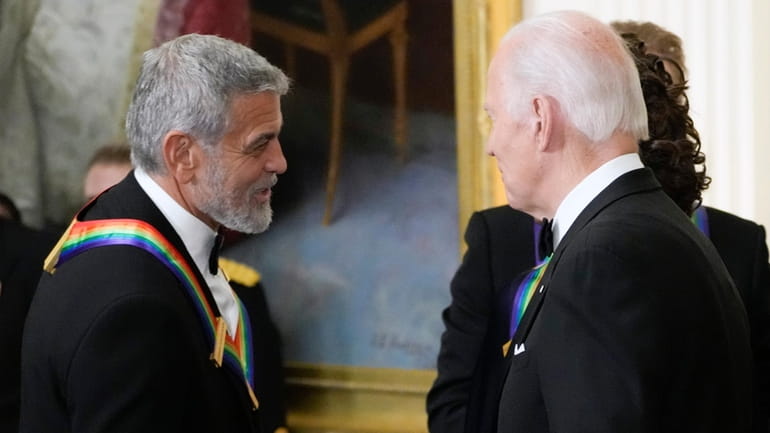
{"points": [[545, 246], [214, 256]]}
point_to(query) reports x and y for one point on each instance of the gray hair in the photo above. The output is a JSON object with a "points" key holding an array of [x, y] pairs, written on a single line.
{"points": [[585, 66], [187, 84]]}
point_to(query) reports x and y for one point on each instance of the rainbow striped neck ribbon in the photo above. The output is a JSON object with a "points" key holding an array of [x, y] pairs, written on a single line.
{"points": [[701, 220], [235, 352], [524, 293]]}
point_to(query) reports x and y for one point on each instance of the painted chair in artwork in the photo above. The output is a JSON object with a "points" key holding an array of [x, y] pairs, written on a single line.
{"points": [[337, 29]]}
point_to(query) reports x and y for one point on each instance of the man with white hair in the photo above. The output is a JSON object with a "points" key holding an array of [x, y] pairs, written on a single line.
{"points": [[632, 324], [134, 327]]}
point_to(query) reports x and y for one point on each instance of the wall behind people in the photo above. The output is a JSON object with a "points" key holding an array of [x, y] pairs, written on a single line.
{"points": [[726, 44], [18, 137], [72, 61]]}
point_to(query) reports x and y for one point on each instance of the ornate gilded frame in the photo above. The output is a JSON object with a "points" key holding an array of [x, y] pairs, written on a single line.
{"points": [[478, 27]]}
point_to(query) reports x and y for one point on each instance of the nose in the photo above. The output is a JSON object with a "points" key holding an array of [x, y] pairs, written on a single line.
{"points": [[276, 162]]}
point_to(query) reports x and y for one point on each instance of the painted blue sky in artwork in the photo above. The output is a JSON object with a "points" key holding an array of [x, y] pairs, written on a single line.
{"points": [[368, 290]]}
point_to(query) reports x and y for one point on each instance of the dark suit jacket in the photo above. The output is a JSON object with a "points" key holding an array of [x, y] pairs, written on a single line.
{"points": [[112, 343], [22, 251], [636, 327], [466, 394]]}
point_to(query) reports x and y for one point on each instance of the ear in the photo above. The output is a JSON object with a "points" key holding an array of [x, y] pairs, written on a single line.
{"points": [[181, 154], [545, 112]]}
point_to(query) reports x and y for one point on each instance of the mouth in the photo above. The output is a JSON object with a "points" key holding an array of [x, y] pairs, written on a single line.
{"points": [[264, 194]]}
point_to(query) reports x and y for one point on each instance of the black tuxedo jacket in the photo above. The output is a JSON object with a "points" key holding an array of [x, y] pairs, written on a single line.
{"points": [[471, 369], [112, 343], [636, 327], [22, 251]]}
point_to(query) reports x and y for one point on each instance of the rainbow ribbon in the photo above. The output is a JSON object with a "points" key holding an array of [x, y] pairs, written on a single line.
{"points": [[524, 293], [235, 352], [701, 220]]}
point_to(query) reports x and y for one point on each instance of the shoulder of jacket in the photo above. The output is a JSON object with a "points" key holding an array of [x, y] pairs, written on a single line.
{"points": [[239, 272], [729, 219]]}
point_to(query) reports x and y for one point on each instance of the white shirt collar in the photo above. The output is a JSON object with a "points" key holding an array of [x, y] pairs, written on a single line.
{"points": [[196, 235], [198, 239], [590, 187]]}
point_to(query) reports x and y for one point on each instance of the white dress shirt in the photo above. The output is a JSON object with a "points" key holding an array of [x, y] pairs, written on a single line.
{"points": [[198, 238], [587, 190]]}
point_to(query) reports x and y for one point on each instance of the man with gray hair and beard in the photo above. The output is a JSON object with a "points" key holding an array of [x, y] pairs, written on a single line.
{"points": [[134, 327], [632, 323]]}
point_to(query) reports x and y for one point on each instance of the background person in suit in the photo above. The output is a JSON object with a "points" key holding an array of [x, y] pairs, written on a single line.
{"points": [[118, 339], [502, 240], [22, 250], [565, 367]]}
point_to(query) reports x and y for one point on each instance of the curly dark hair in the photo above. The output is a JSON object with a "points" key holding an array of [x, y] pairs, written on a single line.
{"points": [[673, 148], [658, 40]]}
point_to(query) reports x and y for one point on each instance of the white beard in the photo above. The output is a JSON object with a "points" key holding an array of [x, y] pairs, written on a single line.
{"points": [[230, 209]]}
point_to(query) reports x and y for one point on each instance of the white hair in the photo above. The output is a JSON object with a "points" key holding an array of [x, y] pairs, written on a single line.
{"points": [[187, 84], [586, 68]]}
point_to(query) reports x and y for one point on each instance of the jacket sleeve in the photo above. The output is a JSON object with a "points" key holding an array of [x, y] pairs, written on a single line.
{"points": [[466, 321]]}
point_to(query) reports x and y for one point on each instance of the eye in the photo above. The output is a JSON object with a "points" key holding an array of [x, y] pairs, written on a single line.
{"points": [[258, 145]]}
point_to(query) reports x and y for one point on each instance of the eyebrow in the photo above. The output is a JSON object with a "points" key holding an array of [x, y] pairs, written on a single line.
{"points": [[259, 141]]}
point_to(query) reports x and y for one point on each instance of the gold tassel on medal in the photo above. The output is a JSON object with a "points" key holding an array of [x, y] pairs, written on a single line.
{"points": [[506, 347], [49, 265], [253, 396], [219, 342]]}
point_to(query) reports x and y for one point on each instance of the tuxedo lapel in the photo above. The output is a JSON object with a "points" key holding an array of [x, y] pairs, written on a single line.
{"points": [[633, 182]]}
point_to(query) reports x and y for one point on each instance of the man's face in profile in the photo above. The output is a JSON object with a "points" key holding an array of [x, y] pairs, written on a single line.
{"points": [[238, 177]]}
